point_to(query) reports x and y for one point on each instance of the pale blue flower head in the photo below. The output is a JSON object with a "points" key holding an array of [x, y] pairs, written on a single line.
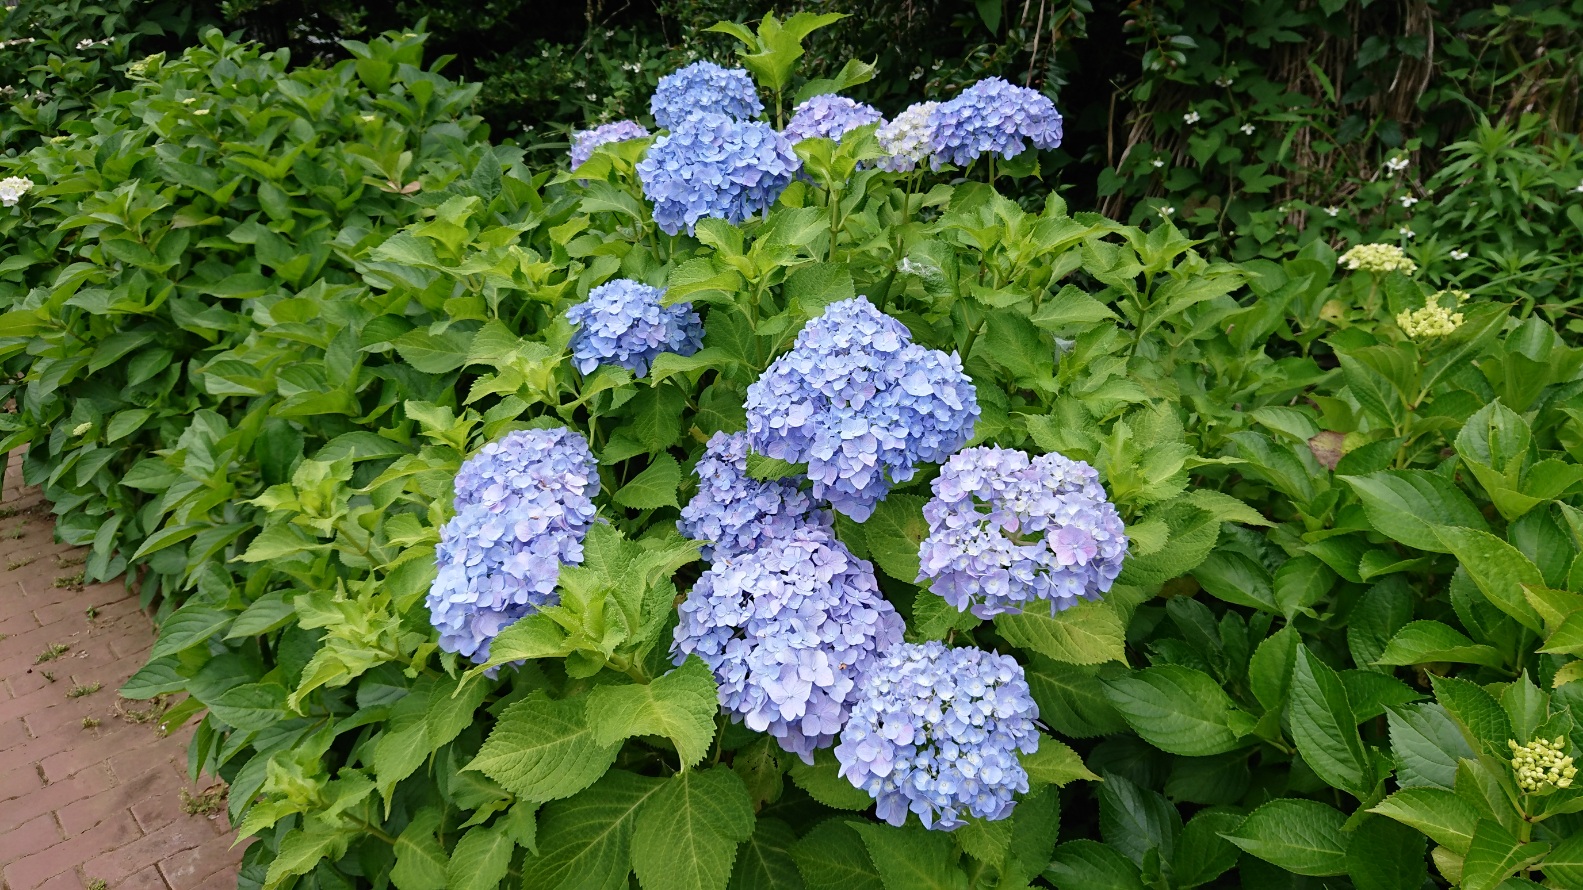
{"points": [[936, 732], [789, 630], [622, 323], [711, 166], [1006, 532], [829, 116], [733, 513], [993, 116], [704, 87], [861, 404], [523, 505], [585, 141]]}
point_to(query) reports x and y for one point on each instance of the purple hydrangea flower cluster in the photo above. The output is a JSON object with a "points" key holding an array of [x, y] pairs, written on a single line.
{"points": [[936, 731], [1006, 531], [623, 323], [585, 141], [712, 166], [708, 87], [523, 505], [733, 513], [789, 630], [829, 116], [993, 116], [861, 404]]}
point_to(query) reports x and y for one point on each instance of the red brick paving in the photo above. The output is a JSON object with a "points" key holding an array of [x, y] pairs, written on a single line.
{"points": [[82, 803]]}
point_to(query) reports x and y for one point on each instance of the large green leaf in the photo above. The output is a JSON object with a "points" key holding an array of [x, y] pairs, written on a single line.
{"points": [[911, 858], [1408, 504], [1499, 569], [1437, 812], [1324, 728], [1423, 642], [680, 706], [1301, 836], [833, 857], [543, 749], [1087, 633], [585, 842], [688, 834], [1179, 710], [765, 861], [1385, 855], [1495, 855]]}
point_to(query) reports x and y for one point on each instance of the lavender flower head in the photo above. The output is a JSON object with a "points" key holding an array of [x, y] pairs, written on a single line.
{"points": [[733, 513], [585, 141], [829, 116], [707, 86], [622, 323], [523, 505], [861, 404], [936, 732], [789, 630], [993, 115], [711, 166], [907, 139], [1006, 531]]}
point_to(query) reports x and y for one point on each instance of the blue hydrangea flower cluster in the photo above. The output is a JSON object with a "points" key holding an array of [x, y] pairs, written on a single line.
{"points": [[704, 86], [993, 116], [623, 323], [523, 505], [585, 141], [861, 404], [789, 629], [1006, 531], [936, 731], [907, 139], [733, 513], [712, 166], [829, 116]]}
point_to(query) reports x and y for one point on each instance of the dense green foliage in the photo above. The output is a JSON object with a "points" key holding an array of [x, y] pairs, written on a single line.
{"points": [[255, 316]]}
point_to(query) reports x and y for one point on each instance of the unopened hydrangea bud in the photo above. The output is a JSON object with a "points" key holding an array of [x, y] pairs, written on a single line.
{"points": [[993, 116], [12, 188], [1542, 765], [622, 323], [1435, 319], [585, 141], [829, 116], [907, 140], [713, 166], [704, 87], [861, 404], [733, 513], [1379, 259], [523, 504], [789, 630], [1006, 532], [936, 732]]}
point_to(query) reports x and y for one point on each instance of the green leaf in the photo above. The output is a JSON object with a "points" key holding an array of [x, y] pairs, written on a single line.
{"points": [[420, 860], [1324, 728], [1440, 813], [1499, 569], [1423, 642], [1087, 633], [1055, 763], [1136, 821], [1386, 855], [1090, 865], [689, 831], [1564, 865], [833, 857], [654, 487], [434, 353], [585, 842], [680, 706], [1476, 710], [543, 750], [765, 861], [1408, 504], [894, 533], [1072, 700], [268, 613], [1495, 855], [823, 782], [481, 859], [1202, 854], [1301, 836], [911, 857], [1179, 710], [1427, 745], [1270, 669], [187, 627], [1070, 307]]}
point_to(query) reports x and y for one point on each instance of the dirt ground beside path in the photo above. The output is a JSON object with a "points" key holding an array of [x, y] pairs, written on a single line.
{"points": [[91, 791]]}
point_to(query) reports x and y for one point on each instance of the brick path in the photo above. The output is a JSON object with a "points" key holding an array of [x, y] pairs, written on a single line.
{"points": [[87, 793]]}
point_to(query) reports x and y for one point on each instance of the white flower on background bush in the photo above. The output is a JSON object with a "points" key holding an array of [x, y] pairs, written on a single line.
{"points": [[1378, 259], [1458, 254], [1408, 200], [1397, 164], [1406, 232], [1192, 117], [1247, 129], [1332, 211], [12, 188], [907, 139]]}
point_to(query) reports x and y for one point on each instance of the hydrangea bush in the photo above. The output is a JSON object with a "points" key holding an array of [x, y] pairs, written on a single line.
{"points": [[682, 522]]}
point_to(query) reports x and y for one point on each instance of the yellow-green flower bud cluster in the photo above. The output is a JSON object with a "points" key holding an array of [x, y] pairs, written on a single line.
{"points": [[1542, 763], [1379, 259], [1429, 322]]}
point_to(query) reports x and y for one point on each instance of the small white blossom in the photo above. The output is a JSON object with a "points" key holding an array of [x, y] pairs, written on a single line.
{"points": [[916, 73], [1333, 211], [1406, 232], [12, 188], [201, 111], [1224, 81], [579, 84], [1408, 200], [936, 65], [1458, 254], [1579, 188], [1157, 163], [1247, 129], [1167, 211], [1192, 117], [1397, 164]]}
